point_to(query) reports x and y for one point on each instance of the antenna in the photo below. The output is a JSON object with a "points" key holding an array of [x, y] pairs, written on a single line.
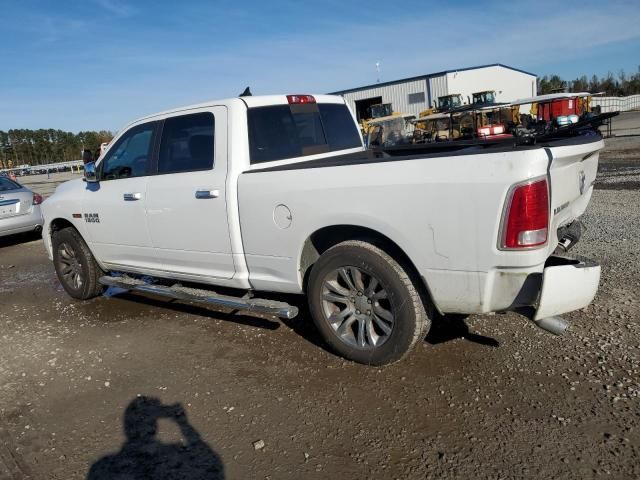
{"points": [[378, 71]]}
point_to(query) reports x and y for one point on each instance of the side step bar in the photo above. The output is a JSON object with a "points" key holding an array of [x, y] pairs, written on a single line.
{"points": [[178, 292]]}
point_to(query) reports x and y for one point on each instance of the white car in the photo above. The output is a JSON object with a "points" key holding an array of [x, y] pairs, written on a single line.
{"points": [[277, 194], [19, 208]]}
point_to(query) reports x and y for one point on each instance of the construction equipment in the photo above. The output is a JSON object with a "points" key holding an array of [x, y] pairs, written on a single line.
{"points": [[395, 129], [444, 104], [379, 110], [553, 110], [486, 97]]}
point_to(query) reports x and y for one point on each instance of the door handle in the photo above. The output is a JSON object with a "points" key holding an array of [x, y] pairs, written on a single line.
{"points": [[130, 197], [201, 194]]}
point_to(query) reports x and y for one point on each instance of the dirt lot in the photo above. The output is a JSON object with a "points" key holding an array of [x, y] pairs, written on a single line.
{"points": [[491, 397]]}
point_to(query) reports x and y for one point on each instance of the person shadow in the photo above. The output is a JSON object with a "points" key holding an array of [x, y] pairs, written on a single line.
{"points": [[144, 456]]}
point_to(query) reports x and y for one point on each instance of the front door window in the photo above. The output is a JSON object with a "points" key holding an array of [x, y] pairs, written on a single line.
{"points": [[130, 156]]}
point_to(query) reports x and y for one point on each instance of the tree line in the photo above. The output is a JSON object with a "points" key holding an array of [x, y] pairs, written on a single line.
{"points": [[39, 147], [620, 86]]}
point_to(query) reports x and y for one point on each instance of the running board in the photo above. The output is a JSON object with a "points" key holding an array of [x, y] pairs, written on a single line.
{"points": [[178, 292]]}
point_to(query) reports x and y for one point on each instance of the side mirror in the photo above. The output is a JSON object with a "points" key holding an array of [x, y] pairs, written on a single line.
{"points": [[90, 174]]}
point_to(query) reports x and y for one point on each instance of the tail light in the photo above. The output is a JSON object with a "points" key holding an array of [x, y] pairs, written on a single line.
{"points": [[526, 222], [37, 199], [298, 99]]}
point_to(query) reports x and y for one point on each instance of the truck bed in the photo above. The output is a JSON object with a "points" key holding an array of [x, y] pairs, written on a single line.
{"points": [[441, 204]]}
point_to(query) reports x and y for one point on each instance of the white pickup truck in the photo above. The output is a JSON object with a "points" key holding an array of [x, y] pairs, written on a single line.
{"points": [[277, 194]]}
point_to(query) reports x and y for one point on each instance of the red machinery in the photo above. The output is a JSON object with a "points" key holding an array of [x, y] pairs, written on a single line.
{"points": [[490, 132], [552, 109]]}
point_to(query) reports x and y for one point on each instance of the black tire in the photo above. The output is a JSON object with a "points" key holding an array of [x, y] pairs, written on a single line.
{"points": [[71, 253], [409, 318]]}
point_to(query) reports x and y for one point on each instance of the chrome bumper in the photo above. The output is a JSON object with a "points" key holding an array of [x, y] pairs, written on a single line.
{"points": [[568, 284]]}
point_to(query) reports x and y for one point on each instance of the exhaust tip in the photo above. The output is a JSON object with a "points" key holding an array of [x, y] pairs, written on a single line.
{"points": [[554, 325]]}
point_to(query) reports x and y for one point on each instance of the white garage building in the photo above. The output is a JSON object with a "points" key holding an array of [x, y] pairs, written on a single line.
{"points": [[415, 94]]}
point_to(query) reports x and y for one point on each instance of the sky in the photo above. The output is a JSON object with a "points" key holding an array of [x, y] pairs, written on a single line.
{"points": [[99, 64]]}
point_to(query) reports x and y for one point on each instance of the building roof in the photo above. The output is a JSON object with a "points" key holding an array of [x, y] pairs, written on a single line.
{"points": [[429, 75]]}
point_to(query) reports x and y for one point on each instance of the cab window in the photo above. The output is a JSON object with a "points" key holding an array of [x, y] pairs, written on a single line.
{"points": [[278, 132], [187, 143], [7, 184], [131, 155]]}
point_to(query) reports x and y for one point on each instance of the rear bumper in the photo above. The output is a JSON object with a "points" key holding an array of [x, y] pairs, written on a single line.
{"points": [[567, 285], [558, 286], [22, 223]]}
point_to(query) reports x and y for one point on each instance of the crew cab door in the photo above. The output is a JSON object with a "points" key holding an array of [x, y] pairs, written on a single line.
{"points": [[186, 202], [114, 208]]}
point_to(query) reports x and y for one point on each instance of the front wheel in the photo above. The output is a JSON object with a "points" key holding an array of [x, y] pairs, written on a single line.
{"points": [[365, 305], [75, 266]]}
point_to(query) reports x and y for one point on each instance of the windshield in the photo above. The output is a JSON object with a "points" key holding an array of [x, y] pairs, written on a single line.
{"points": [[484, 97], [382, 110], [449, 102]]}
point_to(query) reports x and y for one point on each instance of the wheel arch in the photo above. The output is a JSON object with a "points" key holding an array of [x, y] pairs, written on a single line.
{"points": [[60, 223], [326, 237]]}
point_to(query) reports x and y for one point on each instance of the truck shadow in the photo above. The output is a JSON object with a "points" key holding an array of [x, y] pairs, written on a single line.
{"points": [[19, 238], [144, 456], [302, 324], [453, 327], [443, 329]]}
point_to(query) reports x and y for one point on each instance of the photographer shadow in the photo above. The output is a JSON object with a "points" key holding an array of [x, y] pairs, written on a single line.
{"points": [[144, 456]]}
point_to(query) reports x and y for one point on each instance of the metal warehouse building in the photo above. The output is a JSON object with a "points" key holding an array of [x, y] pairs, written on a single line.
{"points": [[415, 94]]}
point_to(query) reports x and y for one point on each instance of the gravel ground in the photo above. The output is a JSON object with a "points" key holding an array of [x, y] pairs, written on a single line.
{"points": [[619, 166], [490, 397]]}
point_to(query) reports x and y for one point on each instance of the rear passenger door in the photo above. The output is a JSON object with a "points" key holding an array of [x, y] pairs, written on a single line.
{"points": [[186, 201]]}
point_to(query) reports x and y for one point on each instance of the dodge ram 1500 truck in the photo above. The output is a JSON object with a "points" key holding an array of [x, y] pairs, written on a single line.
{"points": [[277, 194]]}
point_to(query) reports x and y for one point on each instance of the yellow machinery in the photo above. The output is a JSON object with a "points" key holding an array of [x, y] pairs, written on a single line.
{"points": [[444, 104], [380, 110]]}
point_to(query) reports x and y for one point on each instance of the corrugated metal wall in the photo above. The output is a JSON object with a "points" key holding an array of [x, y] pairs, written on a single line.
{"points": [[396, 94], [509, 85], [437, 88]]}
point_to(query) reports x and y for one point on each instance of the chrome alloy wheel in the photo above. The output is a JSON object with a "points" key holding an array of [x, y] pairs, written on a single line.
{"points": [[70, 266], [357, 307]]}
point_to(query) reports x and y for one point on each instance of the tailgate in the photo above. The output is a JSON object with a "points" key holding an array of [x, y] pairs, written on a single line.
{"points": [[573, 172]]}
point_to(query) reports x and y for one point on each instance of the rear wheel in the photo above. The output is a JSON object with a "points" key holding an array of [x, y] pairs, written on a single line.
{"points": [[365, 305], [75, 266]]}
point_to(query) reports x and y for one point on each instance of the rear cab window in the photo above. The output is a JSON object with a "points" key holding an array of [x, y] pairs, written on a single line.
{"points": [[280, 132]]}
